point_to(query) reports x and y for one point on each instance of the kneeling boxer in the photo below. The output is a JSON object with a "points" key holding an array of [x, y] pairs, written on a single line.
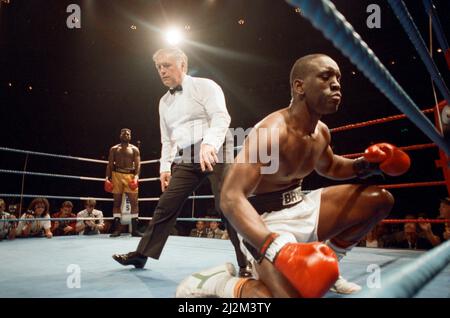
{"points": [[280, 227]]}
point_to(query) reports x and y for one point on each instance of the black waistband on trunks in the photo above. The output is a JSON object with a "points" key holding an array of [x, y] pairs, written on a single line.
{"points": [[276, 201], [120, 170]]}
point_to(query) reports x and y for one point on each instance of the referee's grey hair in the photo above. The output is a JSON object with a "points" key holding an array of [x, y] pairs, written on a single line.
{"points": [[175, 52]]}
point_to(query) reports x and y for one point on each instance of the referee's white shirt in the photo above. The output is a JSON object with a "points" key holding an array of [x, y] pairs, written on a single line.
{"points": [[197, 113]]}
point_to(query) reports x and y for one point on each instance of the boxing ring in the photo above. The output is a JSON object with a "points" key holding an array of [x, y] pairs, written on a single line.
{"points": [[82, 267], [50, 273]]}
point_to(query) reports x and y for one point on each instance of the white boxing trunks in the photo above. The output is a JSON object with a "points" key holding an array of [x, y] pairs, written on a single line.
{"points": [[288, 211]]}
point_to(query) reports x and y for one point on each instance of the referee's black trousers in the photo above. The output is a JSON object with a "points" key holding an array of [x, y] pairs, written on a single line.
{"points": [[186, 178]]}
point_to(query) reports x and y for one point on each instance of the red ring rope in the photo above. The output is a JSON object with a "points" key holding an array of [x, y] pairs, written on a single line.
{"points": [[397, 221]]}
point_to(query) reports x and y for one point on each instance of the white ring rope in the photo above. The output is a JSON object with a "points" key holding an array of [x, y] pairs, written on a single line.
{"points": [[12, 195], [102, 218], [44, 174], [80, 178], [45, 154], [55, 219]]}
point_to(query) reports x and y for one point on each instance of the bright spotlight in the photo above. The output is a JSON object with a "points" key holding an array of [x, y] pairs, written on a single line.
{"points": [[174, 36]]}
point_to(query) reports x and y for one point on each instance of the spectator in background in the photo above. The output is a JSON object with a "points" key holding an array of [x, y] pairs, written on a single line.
{"points": [[90, 227], [7, 229], [425, 231], [215, 231], [445, 119], [64, 227], [200, 230], [408, 237], [38, 209], [15, 209], [210, 215], [442, 230], [242, 273], [374, 237]]}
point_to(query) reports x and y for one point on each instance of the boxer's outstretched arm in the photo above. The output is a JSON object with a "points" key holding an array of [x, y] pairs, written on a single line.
{"points": [[241, 180], [379, 157], [335, 167]]}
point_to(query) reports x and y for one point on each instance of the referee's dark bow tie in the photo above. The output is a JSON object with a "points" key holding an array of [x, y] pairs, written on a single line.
{"points": [[178, 88]]}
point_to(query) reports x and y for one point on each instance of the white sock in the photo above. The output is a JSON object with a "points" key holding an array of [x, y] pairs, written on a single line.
{"points": [[339, 251], [231, 287], [342, 286]]}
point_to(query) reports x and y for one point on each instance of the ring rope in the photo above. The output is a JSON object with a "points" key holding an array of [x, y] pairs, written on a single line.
{"points": [[325, 17], [408, 280], [402, 13], [354, 155], [30, 173], [210, 196], [406, 148], [386, 221], [397, 221], [12, 195], [186, 219], [147, 179], [63, 175], [382, 120], [413, 185], [386, 186], [150, 161], [50, 175], [103, 218], [45, 154], [55, 219], [336, 129], [438, 30]]}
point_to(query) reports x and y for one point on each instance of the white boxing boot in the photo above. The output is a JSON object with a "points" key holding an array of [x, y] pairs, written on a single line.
{"points": [[214, 282]]}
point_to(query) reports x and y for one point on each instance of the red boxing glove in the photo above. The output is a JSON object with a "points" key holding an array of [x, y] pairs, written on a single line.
{"points": [[133, 184], [312, 268], [393, 161], [108, 186]]}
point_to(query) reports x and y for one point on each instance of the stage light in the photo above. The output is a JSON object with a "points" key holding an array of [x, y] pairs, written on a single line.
{"points": [[174, 36]]}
